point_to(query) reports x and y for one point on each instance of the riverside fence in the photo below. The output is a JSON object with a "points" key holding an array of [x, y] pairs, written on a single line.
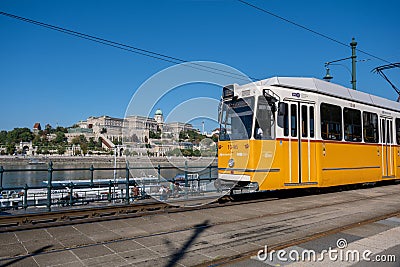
{"points": [[68, 193]]}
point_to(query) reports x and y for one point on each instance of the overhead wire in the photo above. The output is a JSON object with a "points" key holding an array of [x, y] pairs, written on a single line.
{"points": [[310, 30], [133, 49]]}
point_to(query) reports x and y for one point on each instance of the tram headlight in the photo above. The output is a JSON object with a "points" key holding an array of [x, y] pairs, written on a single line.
{"points": [[231, 163]]}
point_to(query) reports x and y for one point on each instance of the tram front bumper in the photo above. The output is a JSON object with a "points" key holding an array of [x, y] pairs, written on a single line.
{"points": [[234, 177]]}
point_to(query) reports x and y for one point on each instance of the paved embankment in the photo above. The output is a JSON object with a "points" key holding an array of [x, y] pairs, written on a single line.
{"points": [[198, 237]]}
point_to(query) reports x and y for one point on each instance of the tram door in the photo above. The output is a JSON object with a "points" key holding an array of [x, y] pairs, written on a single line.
{"points": [[387, 148], [301, 133]]}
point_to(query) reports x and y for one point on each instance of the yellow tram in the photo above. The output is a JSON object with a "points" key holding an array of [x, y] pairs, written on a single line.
{"points": [[288, 132]]}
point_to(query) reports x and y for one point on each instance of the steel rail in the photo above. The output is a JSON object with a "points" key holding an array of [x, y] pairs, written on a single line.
{"points": [[241, 256]]}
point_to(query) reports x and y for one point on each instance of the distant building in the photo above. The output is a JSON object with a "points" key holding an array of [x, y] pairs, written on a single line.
{"points": [[134, 129], [37, 127], [75, 132], [158, 116], [137, 128]]}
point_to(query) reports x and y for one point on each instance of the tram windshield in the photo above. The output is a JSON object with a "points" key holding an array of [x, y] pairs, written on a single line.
{"points": [[236, 119]]}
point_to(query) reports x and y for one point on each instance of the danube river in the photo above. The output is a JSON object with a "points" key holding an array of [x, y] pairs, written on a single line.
{"points": [[32, 176]]}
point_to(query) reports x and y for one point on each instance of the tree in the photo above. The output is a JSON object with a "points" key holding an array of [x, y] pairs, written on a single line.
{"points": [[10, 148], [3, 137], [61, 150], [175, 152], [48, 129], [191, 136], [215, 138], [37, 140], [79, 140], [155, 135], [84, 148], [196, 153], [61, 129], [19, 134], [60, 138], [187, 152]]}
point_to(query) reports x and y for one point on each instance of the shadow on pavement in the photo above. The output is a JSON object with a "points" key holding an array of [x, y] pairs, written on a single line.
{"points": [[38, 251], [199, 228]]}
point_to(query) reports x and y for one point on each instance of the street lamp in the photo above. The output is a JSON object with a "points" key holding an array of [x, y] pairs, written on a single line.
{"points": [[353, 57], [116, 150]]}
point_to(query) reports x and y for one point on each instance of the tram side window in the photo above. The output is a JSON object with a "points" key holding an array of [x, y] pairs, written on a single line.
{"points": [[398, 131], [311, 121], [286, 120], [370, 126], [352, 125], [331, 122], [304, 121], [293, 120], [389, 132]]}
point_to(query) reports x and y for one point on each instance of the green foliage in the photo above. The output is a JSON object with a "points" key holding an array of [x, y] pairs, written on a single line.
{"points": [[196, 153], [60, 138], [48, 129], [92, 144], [191, 136], [61, 129], [3, 137], [61, 150], [79, 140], [215, 138], [19, 134], [187, 152], [155, 135], [175, 152], [10, 148], [82, 142], [84, 148], [37, 140]]}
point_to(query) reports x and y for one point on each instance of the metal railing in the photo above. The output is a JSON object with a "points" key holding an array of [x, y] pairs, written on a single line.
{"points": [[59, 193]]}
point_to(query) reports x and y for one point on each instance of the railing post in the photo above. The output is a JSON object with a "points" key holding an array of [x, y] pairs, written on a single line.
{"points": [[198, 182], [158, 172], [91, 175], [71, 194], [127, 183], [209, 172], [26, 196], [186, 174], [49, 184], [109, 190], [1, 177]]}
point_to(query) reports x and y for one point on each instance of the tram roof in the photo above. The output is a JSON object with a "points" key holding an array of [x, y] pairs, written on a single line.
{"points": [[331, 89]]}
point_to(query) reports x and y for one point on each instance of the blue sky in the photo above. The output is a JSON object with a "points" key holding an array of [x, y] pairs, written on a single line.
{"points": [[50, 77]]}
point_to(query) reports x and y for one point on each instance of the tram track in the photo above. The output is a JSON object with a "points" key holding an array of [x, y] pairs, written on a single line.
{"points": [[275, 226], [27, 221]]}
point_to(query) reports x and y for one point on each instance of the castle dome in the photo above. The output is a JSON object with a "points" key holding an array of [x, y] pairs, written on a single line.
{"points": [[158, 112]]}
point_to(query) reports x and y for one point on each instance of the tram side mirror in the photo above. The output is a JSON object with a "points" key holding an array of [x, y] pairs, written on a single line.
{"points": [[281, 114], [273, 107]]}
